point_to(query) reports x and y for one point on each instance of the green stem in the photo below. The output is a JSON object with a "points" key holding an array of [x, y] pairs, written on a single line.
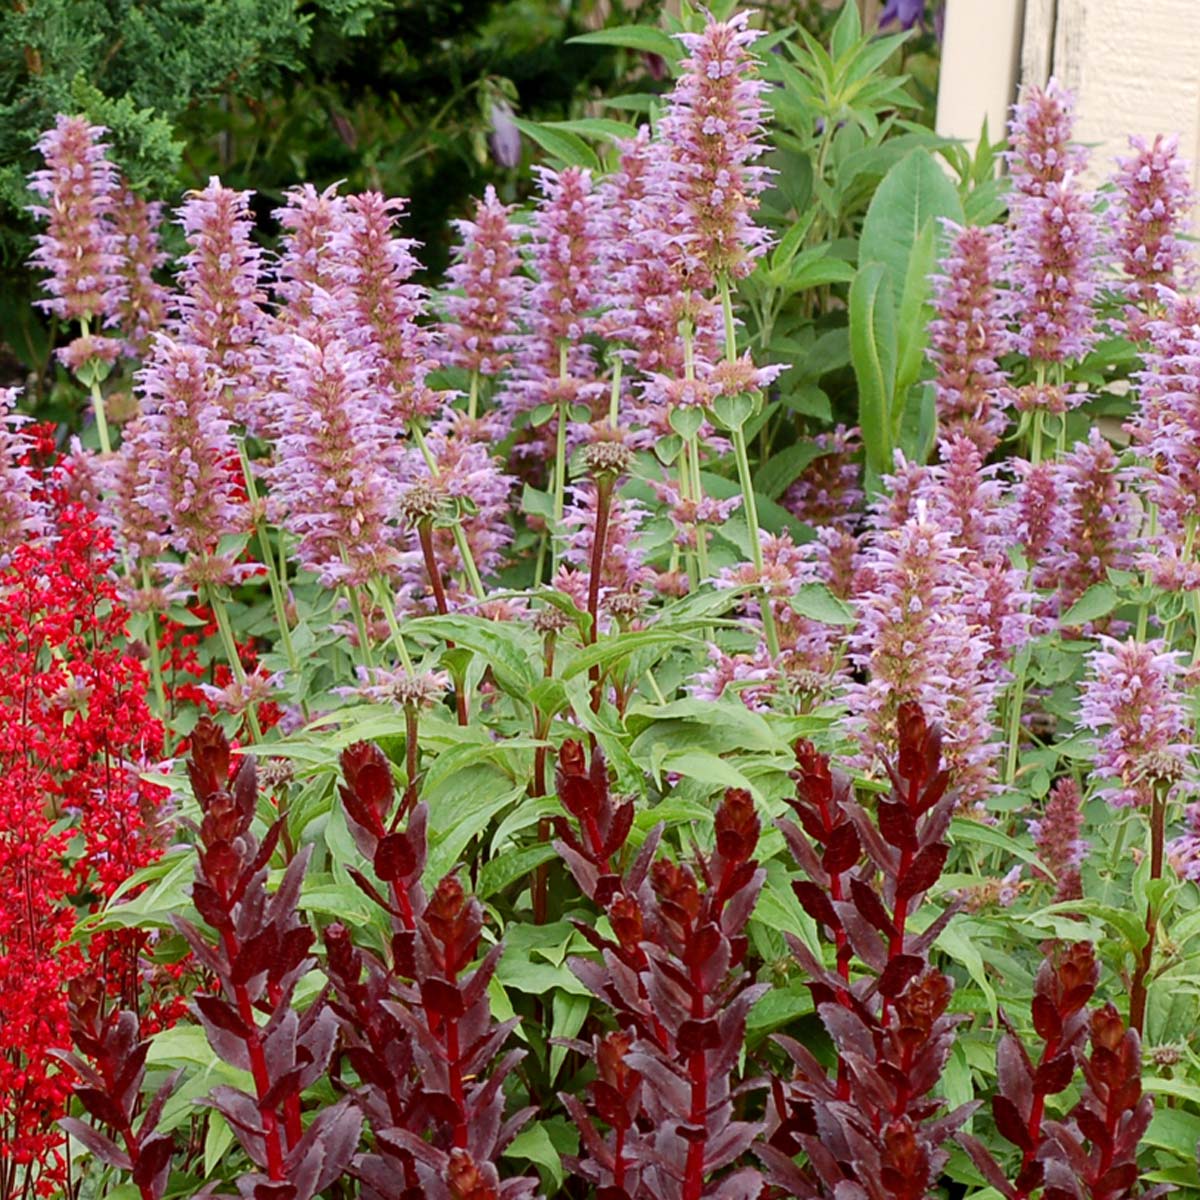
{"points": [[473, 396], [98, 401], [746, 480], [383, 597], [156, 673], [614, 395], [225, 628], [1016, 700], [459, 534], [277, 593], [360, 623]]}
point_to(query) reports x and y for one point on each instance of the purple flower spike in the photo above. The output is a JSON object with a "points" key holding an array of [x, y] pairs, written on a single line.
{"points": [[1133, 691], [189, 455], [482, 320], [20, 511], [311, 219], [380, 308], [1056, 836], [333, 484], [714, 126], [220, 309], [142, 303], [79, 249], [968, 336], [1154, 200], [1039, 133]]}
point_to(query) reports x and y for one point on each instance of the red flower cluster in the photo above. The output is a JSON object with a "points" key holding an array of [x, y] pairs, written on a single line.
{"points": [[75, 818]]}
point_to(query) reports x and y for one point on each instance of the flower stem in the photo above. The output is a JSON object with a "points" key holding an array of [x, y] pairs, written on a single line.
{"points": [[221, 616], [98, 402], [383, 597], [745, 479], [560, 461], [1139, 991], [360, 623], [156, 672]]}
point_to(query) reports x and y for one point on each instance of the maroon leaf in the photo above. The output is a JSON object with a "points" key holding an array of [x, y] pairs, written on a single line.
{"points": [[842, 850], [816, 903], [695, 1036], [868, 903], [1046, 1020], [1009, 1123], [395, 858], [897, 825], [441, 997], [1055, 1076], [897, 974], [923, 872]]}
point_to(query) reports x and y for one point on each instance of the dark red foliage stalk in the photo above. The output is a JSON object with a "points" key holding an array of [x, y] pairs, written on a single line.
{"points": [[110, 1068], [261, 952], [874, 1132], [417, 1030], [674, 978], [1096, 1148], [425, 537], [1064, 985]]}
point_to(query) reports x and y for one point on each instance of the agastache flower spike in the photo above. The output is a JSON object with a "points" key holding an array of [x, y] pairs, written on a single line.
{"points": [[1133, 692], [379, 315], [714, 126], [79, 249], [20, 511], [142, 300], [307, 264], [190, 452], [1056, 834], [334, 478], [968, 335], [220, 308], [1040, 134], [828, 492], [1155, 198], [481, 322]]}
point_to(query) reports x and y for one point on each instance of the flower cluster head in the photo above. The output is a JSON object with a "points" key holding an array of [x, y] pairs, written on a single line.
{"points": [[378, 313], [220, 309], [420, 689], [307, 266], [714, 126], [915, 642], [1154, 200], [1056, 834], [482, 320], [969, 334], [20, 509], [1096, 519], [142, 300], [334, 480], [188, 456], [1055, 241], [1133, 693], [79, 249], [1043, 153]]}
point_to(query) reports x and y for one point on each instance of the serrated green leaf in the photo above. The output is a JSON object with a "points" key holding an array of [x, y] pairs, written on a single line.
{"points": [[511, 865], [645, 38], [818, 603], [569, 148]]}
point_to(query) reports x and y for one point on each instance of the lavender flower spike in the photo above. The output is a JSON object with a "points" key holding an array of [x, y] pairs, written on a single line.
{"points": [[307, 264], [333, 484], [714, 126], [1133, 692], [79, 248], [220, 309], [481, 322], [189, 451], [20, 512], [142, 305], [968, 336]]}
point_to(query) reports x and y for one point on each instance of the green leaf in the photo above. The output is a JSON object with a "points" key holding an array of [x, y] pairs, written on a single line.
{"points": [[847, 30], [217, 1141], [818, 603], [732, 412], [569, 148], [916, 191], [1098, 601], [646, 38], [686, 421], [533, 1143], [775, 475], [873, 353], [569, 1013], [504, 647], [595, 127], [461, 809], [511, 865], [960, 947], [610, 650]]}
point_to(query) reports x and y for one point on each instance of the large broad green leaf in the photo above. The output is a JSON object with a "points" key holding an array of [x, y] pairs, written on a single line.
{"points": [[569, 148], [461, 809], [646, 38], [873, 353], [533, 1144], [916, 191]]}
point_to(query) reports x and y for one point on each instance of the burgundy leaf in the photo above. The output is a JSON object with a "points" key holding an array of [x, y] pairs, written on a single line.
{"points": [[897, 974], [1009, 1123], [1055, 1076], [923, 871], [842, 850]]}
